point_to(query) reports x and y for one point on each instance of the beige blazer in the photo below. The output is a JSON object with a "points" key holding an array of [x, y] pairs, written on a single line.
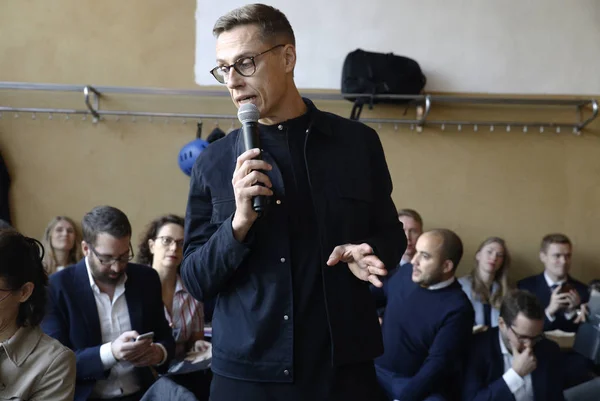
{"points": [[34, 366]]}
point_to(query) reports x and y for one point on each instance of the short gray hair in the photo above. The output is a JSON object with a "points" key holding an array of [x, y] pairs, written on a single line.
{"points": [[272, 23]]}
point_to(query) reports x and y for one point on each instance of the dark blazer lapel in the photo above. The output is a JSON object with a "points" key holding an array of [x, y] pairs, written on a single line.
{"points": [[87, 303], [134, 297], [497, 365], [539, 382]]}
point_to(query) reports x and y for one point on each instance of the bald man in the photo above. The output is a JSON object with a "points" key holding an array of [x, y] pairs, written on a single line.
{"points": [[428, 323]]}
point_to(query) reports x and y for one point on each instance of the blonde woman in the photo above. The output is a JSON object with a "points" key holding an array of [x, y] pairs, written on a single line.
{"points": [[61, 242], [487, 283]]}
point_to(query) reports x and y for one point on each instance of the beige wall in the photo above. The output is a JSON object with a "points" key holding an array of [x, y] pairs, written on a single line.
{"points": [[519, 186]]}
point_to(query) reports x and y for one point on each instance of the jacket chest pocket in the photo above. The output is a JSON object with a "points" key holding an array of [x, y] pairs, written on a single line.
{"points": [[222, 209], [352, 203]]}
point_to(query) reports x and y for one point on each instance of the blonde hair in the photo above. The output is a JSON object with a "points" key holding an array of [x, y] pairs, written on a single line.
{"points": [[75, 254], [479, 290]]}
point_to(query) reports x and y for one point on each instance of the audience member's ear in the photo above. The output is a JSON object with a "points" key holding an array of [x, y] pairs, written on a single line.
{"points": [[151, 246], [448, 266], [25, 291], [85, 248]]}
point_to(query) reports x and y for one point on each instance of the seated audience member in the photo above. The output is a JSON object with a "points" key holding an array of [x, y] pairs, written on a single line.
{"points": [[413, 228], [33, 366], [428, 323], [100, 306], [61, 242], [162, 248], [514, 362], [562, 297], [559, 293], [487, 283]]}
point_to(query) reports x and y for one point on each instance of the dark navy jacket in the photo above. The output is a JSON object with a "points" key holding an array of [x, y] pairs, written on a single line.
{"points": [[483, 379], [72, 318], [538, 286], [251, 281]]}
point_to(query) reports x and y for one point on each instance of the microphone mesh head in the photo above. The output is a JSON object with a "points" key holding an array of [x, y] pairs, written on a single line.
{"points": [[248, 113]]}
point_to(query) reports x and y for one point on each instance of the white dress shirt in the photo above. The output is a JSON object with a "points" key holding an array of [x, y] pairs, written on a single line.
{"points": [[568, 315], [443, 284], [114, 320], [521, 387]]}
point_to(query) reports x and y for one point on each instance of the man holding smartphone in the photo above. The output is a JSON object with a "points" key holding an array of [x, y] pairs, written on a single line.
{"points": [[561, 295], [110, 312], [564, 299]]}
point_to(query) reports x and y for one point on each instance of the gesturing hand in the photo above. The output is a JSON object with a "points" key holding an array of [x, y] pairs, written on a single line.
{"points": [[361, 261]]}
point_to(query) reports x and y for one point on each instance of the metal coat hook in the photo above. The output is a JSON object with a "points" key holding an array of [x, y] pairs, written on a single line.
{"points": [[83, 118], [475, 128], [508, 128], [412, 127], [558, 130], [16, 115], [379, 126], [93, 109], [525, 128], [443, 127], [150, 120], [395, 127], [460, 127], [33, 116], [491, 128], [541, 129], [67, 117], [133, 119]]}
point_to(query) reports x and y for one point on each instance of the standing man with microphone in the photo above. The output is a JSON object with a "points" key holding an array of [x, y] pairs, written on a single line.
{"points": [[294, 318]]}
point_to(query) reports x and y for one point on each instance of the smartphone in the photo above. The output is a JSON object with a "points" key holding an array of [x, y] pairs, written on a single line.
{"points": [[145, 336], [566, 287]]}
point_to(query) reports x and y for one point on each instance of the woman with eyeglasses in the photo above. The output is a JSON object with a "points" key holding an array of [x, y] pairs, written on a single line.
{"points": [[62, 244], [33, 366], [161, 247]]}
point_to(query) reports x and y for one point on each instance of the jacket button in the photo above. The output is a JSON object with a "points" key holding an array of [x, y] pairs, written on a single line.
{"points": [[285, 317], [280, 127], [286, 372], [278, 201], [282, 260]]}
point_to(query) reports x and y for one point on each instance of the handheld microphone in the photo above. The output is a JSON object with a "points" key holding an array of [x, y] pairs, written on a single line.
{"points": [[248, 115]]}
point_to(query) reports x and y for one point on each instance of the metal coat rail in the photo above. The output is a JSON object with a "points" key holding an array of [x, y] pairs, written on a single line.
{"points": [[585, 110]]}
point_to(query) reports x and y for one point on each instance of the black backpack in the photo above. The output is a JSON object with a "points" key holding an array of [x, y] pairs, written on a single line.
{"points": [[372, 73]]}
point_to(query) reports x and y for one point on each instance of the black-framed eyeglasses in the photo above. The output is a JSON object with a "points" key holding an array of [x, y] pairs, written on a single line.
{"points": [[245, 66], [109, 260], [7, 295], [522, 338], [167, 241]]}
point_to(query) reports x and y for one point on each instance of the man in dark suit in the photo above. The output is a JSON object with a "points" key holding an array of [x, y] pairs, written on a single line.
{"points": [[100, 306], [514, 362], [561, 295], [564, 299]]}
